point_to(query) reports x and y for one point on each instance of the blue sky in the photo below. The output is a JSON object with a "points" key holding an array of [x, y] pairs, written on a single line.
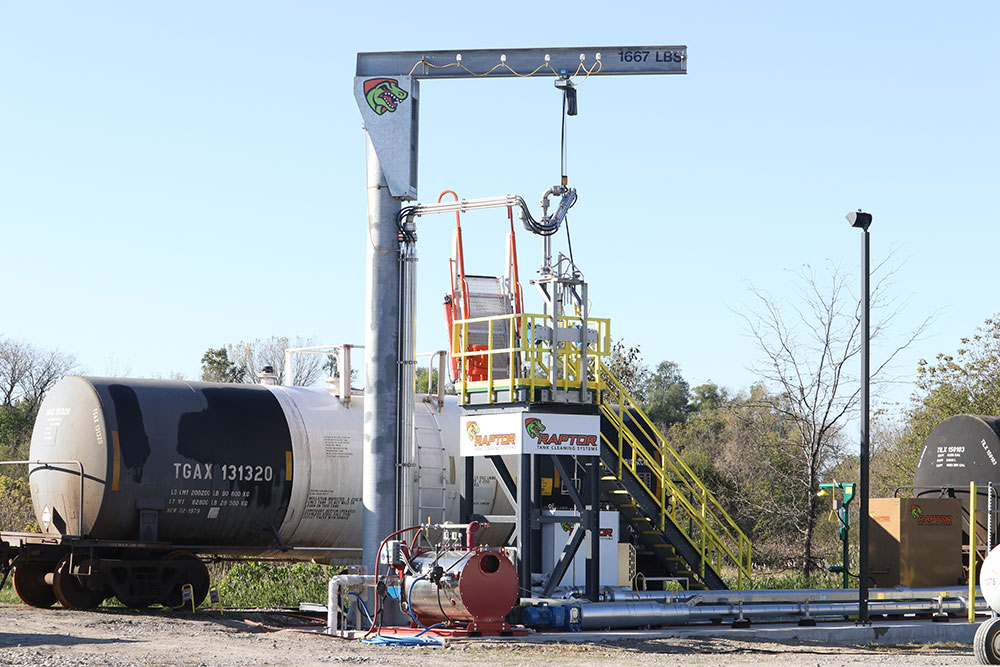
{"points": [[175, 176]]}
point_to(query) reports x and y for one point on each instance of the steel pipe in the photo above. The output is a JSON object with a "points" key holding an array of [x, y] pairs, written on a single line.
{"points": [[607, 615]]}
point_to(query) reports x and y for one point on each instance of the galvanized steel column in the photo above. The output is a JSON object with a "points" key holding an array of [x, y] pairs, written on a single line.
{"points": [[378, 490]]}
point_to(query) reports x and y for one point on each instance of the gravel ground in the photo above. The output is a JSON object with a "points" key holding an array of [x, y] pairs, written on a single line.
{"points": [[119, 638]]}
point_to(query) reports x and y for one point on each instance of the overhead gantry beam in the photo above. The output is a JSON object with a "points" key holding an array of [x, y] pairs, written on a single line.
{"points": [[387, 87], [387, 90]]}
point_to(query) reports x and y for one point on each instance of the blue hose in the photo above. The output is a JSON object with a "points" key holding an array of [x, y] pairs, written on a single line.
{"points": [[382, 640], [361, 601], [409, 608]]}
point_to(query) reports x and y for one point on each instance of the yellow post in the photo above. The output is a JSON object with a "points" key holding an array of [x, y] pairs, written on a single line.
{"points": [[187, 595], [972, 552]]}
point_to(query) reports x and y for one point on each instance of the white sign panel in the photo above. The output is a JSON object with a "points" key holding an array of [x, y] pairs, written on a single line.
{"points": [[530, 433], [487, 435], [548, 433]]}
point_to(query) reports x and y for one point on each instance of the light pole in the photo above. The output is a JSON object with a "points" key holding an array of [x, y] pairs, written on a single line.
{"points": [[862, 221]]}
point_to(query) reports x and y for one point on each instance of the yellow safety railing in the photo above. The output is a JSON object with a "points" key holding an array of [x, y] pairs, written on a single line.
{"points": [[528, 354], [679, 494], [530, 361]]}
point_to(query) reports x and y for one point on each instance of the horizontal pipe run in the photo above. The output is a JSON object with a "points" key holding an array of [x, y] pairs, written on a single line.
{"points": [[779, 595], [463, 205], [608, 615]]}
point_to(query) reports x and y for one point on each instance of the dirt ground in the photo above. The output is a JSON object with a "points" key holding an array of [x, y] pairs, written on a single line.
{"points": [[120, 637]]}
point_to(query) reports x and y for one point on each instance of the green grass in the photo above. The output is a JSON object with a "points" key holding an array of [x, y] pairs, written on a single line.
{"points": [[264, 584], [792, 579], [7, 594]]}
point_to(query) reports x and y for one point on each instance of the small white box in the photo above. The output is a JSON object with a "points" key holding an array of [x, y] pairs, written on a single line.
{"points": [[556, 535]]}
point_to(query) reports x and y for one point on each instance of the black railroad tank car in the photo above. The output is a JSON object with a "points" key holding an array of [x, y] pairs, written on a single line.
{"points": [[179, 462], [960, 450]]}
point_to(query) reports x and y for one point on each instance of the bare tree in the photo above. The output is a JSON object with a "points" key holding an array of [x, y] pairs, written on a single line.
{"points": [[27, 371], [809, 357], [49, 367], [253, 356]]}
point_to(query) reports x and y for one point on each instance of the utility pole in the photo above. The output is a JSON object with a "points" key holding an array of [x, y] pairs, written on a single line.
{"points": [[862, 221]]}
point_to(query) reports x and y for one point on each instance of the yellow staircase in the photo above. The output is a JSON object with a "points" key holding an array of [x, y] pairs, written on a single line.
{"points": [[673, 516], [670, 509]]}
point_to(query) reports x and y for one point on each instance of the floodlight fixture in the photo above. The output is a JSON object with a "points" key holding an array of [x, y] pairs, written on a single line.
{"points": [[859, 219]]}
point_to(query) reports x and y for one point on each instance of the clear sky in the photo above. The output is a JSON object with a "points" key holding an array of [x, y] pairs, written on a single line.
{"points": [[176, 176]]}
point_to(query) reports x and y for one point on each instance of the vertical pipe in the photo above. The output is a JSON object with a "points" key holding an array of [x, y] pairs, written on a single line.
{"points": [[467, 503], [972, 552], [863, 618], [594, 557], [289, 369], [378, 490], [408, 512], [536, 505], [845, 514], [525, 567], [344, 368]]}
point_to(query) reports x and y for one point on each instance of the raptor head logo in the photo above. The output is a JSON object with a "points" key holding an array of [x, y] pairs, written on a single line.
{"points": [[384, 95], [534, 427], [472, 430], [915, 511]]}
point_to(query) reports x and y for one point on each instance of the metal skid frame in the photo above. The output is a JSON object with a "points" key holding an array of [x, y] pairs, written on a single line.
{"points": [[528, 518]]}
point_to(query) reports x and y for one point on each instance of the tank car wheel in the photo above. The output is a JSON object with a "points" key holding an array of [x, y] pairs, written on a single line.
{"points": [[29, 584], [197, 576], [986, 644], [72, 591]]}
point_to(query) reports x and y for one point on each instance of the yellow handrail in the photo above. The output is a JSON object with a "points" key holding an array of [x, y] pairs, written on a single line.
{"points": [[714, 531], [530, 356]]}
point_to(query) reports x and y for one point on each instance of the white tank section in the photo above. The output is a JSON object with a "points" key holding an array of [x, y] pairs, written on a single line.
{"points": [[989, 579], [327, 437]]}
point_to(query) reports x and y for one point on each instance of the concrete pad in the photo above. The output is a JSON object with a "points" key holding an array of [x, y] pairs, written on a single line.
{"points": [[884, 633]]}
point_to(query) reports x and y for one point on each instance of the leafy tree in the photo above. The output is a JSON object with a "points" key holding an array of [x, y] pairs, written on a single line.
{"points": [[667, 395], [744, 452], [626, 364], [16, 424], [706, 397], [216, 366], [420, 381]]}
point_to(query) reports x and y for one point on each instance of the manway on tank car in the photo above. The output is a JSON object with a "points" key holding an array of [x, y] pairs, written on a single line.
{"points": [[135, 479]]}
